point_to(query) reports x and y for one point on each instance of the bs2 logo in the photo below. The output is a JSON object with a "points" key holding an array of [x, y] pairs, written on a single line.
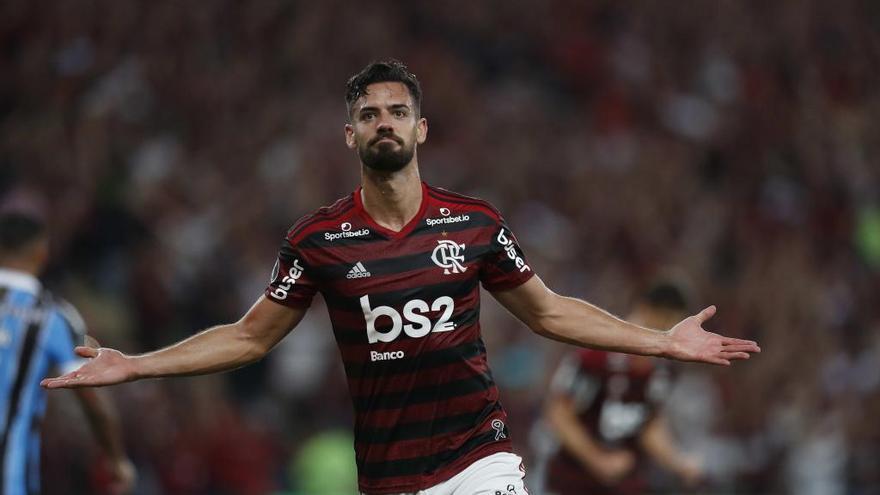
{"points": [[295, 272], [418, 325]]}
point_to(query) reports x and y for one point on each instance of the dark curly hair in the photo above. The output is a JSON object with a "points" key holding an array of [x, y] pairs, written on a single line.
{"points": [[390, 70]]}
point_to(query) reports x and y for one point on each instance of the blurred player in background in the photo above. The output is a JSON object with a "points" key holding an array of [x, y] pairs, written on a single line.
{"points": [[399, 264], [605, 411], [37, 334]]}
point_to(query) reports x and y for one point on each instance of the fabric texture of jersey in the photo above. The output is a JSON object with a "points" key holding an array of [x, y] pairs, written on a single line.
{"points": [[37, 332], [404, 307], [615, 396]]}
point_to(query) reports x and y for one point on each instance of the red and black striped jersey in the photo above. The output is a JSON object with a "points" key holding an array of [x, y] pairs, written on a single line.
{"points": [[404, 307], [615, 396]]}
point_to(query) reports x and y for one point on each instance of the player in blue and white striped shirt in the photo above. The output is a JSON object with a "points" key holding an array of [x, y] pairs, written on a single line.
{"points": [[37, 334]]}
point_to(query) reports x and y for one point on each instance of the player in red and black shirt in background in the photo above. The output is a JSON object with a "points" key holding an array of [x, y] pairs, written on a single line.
{"points": [[400, 264], [605, 409]]}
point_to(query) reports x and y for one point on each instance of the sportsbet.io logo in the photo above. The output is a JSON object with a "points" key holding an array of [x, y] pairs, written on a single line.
{"points": [[346, 233], [445, 219], [449, 256]]}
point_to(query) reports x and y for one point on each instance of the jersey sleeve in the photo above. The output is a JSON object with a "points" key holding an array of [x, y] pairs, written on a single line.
{"points": [[504, 265], [65, 330], [291, 284]]}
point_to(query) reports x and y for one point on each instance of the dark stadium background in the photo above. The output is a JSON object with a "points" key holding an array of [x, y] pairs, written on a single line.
{"points": [[735, 143]]}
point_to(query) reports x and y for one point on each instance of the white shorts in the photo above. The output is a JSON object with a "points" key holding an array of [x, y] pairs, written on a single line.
{"points": [[497, 474]]}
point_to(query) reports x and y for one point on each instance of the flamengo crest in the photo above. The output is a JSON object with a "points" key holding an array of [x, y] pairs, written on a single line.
{"points": [[449, 256]]}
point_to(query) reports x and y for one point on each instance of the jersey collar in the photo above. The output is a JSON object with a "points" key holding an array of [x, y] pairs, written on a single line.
{"points": [[20, 280], [359, 205]]}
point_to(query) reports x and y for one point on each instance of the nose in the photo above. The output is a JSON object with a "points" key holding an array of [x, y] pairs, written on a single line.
{"points": [[384, 125]]}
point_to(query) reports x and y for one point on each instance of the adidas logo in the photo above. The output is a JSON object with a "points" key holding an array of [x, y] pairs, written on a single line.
{"points": [[358, 271]]}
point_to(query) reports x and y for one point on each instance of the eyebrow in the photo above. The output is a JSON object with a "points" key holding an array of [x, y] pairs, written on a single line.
{"points": [[396, 106]]}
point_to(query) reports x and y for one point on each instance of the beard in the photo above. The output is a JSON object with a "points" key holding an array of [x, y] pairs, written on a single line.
{"points": [[383, 157]]}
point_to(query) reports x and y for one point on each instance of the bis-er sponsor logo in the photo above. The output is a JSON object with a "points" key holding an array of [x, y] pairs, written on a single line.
{"points": [[417, 323], [345, 233], [295, 272], [446, 219], [510, 249]]}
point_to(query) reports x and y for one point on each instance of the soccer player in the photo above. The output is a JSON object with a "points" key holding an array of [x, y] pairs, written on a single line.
{"points": [[605, 411], [38, 332], [400, 264]]}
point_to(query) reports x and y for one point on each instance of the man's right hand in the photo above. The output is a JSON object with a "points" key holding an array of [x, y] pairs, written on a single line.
{"points": [[688, 341], [105, 367], [613, 466]]}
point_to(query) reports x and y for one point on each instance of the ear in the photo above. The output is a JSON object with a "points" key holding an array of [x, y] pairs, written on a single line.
{"points": [[422, 130], [349, 137]]}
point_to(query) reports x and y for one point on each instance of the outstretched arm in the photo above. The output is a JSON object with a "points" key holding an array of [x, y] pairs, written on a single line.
{"points": [[577, 322], [219, 348]]}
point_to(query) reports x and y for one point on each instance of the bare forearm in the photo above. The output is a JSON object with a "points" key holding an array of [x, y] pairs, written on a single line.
{"points": [[577, 322], [219, 348], [223, 347]]}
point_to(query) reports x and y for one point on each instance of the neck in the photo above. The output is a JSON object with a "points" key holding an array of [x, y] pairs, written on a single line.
{"points": [[392, 199]]}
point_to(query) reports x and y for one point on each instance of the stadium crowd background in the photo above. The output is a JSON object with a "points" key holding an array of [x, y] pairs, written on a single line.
{"points": [[171, 145]]}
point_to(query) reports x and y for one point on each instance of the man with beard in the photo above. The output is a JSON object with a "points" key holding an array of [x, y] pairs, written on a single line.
{"points": [[400, 264]]}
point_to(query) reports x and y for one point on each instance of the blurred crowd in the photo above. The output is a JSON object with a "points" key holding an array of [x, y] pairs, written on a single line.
{"points": [[733, 144]]}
